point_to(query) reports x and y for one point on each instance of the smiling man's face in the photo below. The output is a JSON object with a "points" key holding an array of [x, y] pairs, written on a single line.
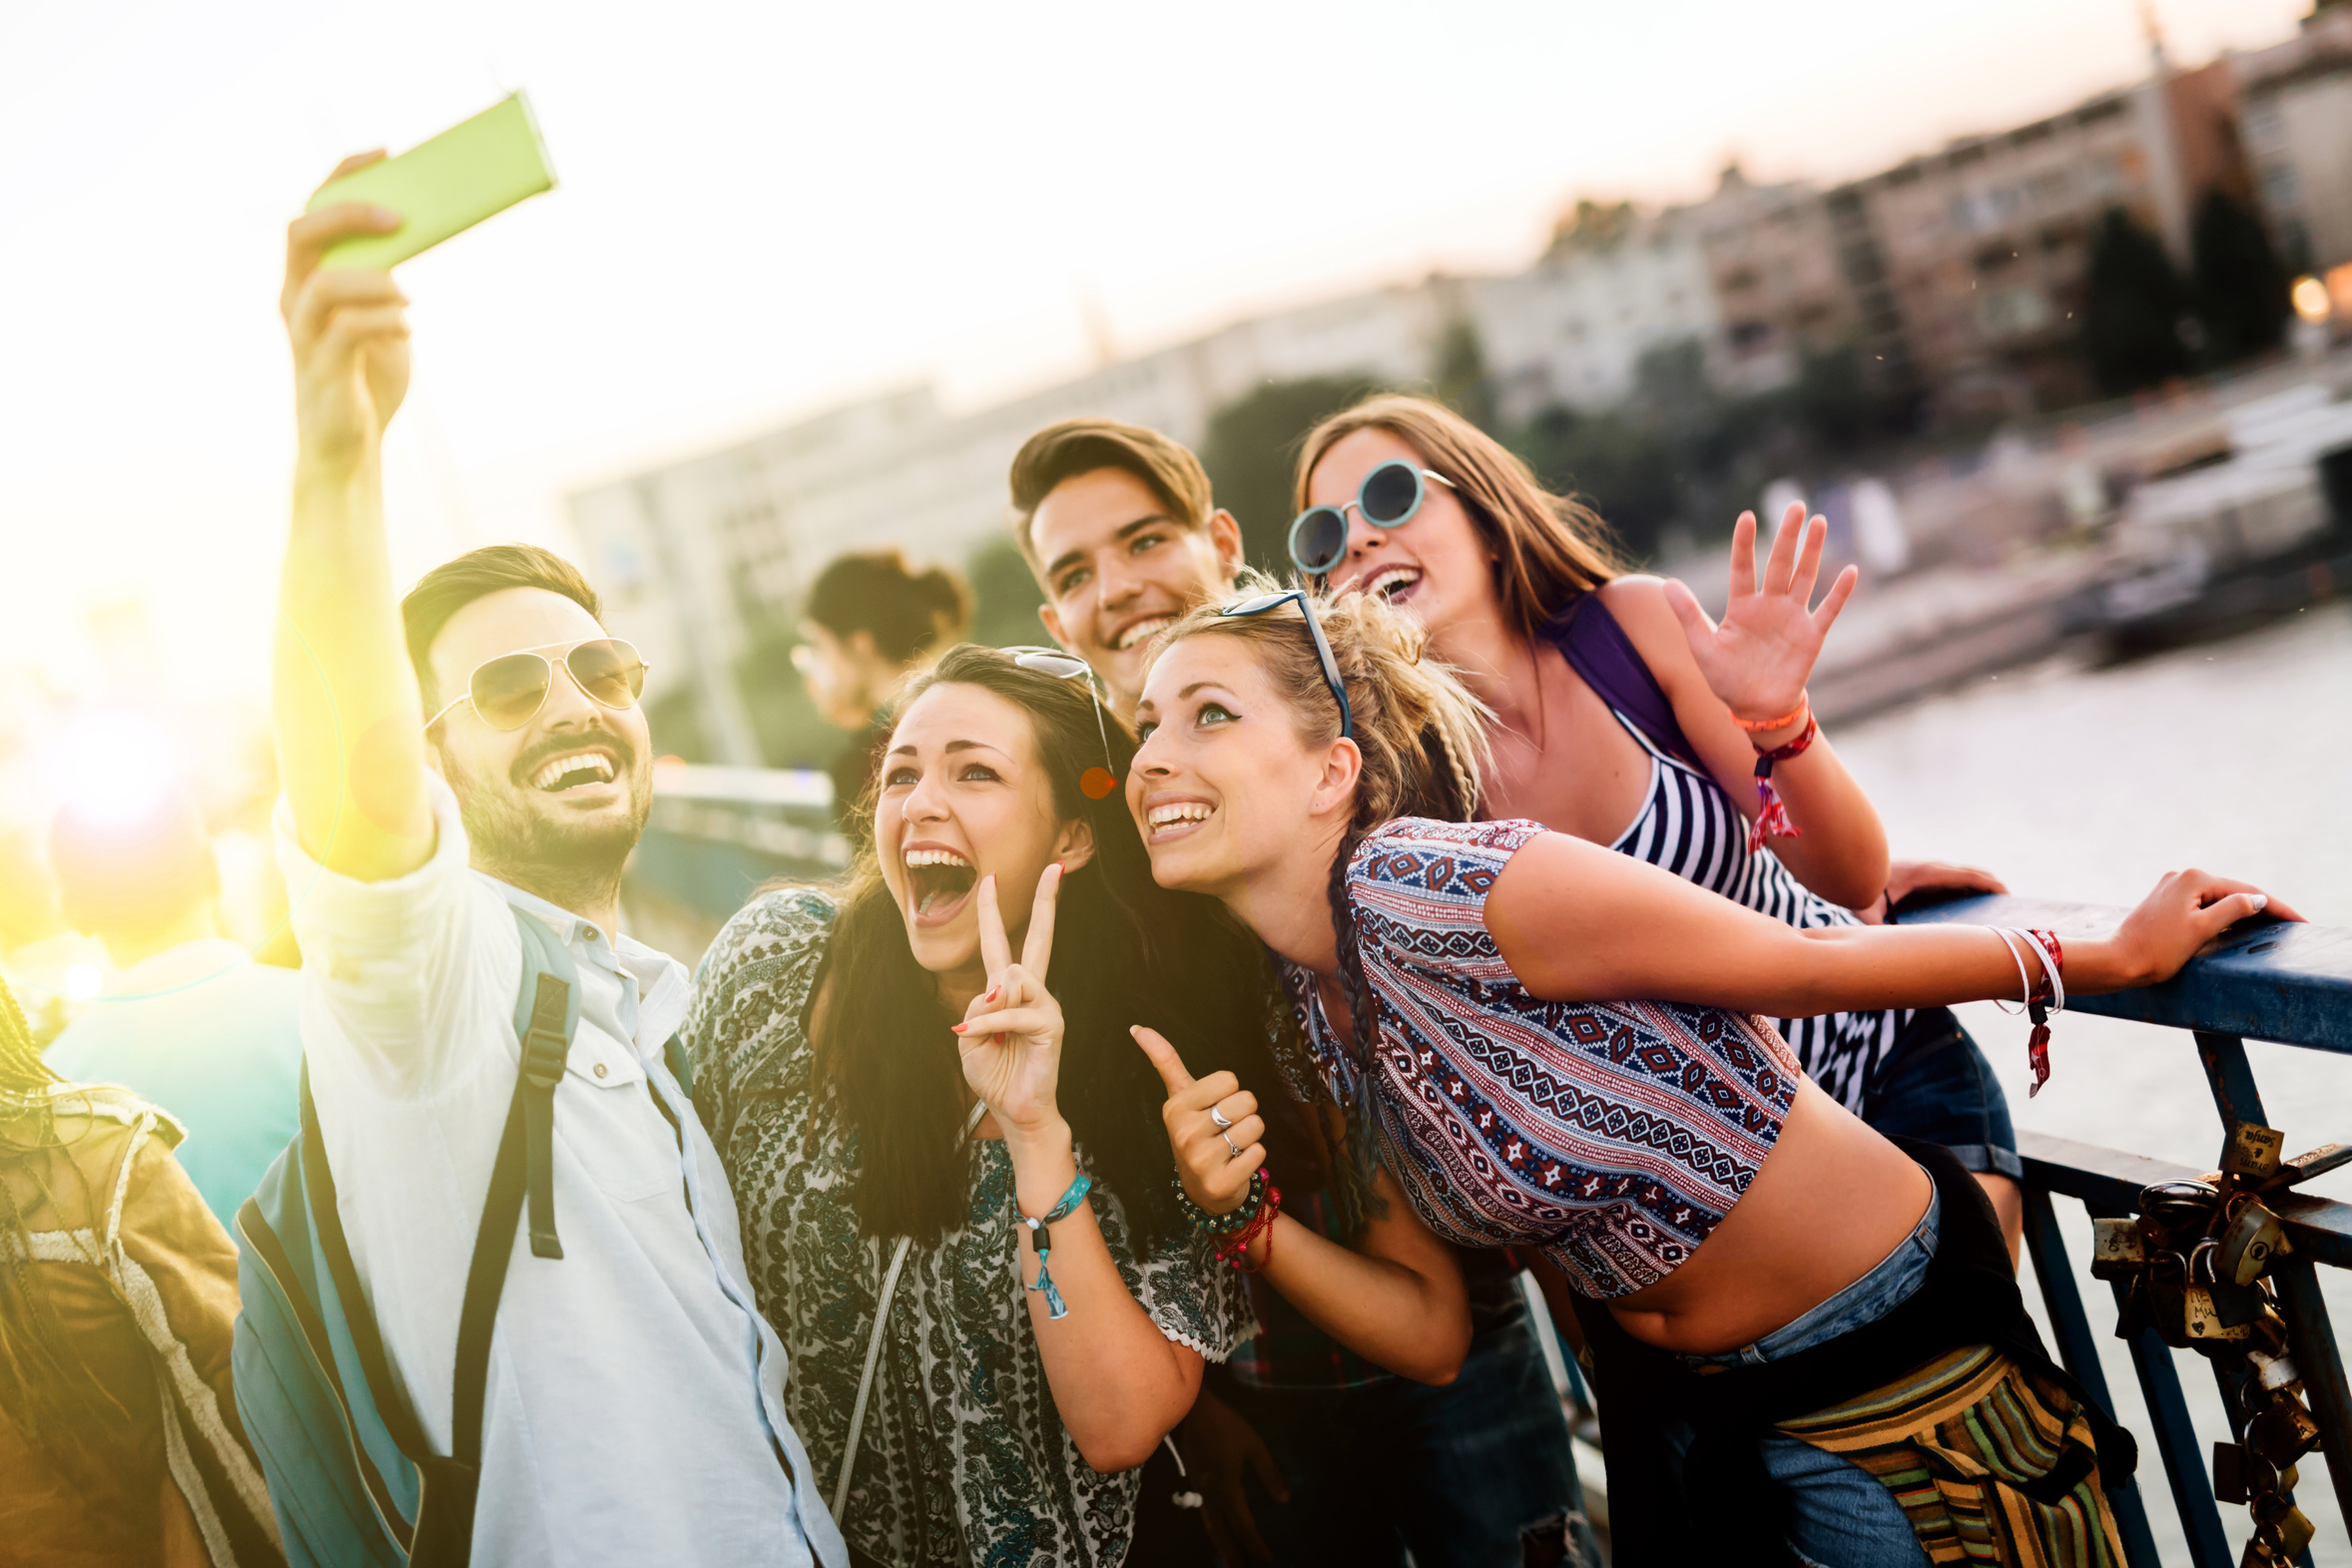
{"points": [[562, 800], [1118, 565]]}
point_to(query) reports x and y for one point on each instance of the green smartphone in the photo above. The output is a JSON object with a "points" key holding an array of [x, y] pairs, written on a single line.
{"points": [[442, 187]]}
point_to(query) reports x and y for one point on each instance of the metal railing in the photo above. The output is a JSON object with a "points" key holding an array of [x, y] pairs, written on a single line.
{"points": [[717, 833], [2289, 984]]}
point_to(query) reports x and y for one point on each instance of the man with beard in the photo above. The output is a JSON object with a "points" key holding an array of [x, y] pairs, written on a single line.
{"points": [[474, 753]]}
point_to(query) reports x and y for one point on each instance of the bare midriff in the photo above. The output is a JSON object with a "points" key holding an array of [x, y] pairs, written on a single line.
{"points": [[1832, 1200]]}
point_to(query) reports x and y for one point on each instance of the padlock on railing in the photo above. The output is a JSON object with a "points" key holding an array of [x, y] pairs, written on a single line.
{"points": [[2192, 1266]]}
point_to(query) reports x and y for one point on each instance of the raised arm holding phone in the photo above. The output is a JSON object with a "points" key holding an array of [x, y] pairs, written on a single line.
{"points": [[466, 768]]}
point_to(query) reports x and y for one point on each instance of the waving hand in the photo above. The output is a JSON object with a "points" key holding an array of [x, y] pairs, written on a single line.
{"points": [[1011, 1033], [1758, 657]]}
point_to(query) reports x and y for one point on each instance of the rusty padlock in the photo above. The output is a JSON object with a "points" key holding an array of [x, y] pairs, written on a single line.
{"points": [[2251, 1152], [2117, 1249], [2272, 1371], [2284, 1432], [2165, 1287], [2252, 1239], [2290, 1533]]}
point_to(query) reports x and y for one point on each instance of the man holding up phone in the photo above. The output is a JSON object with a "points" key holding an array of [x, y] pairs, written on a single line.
{"points": [[634, 1410]]}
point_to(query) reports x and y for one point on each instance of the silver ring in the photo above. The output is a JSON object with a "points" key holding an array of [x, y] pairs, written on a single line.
{"points": [[1219, 1117], [1230, 1151]]}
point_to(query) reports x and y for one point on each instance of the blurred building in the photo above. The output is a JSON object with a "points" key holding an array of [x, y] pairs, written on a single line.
{"points": [[2296, 122], [1969, 264], [1771, 257], [696, 557]]}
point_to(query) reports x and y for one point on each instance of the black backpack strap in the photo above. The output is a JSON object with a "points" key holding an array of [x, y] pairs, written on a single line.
{"points": [[545, 1045], [485, 1278]]}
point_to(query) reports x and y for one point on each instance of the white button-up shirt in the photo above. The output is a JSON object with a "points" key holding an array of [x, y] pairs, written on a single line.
{"points": [[635, 1409]]}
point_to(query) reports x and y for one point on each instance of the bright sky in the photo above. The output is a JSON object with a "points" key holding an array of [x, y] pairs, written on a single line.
{"points": [[767, 208]]}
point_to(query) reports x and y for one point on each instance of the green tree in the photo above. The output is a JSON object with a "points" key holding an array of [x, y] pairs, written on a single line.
{"points": [[1458, 377], [1005, 594], [2241, 289], [2135, 304], [1252, 444], [1621, 465]]}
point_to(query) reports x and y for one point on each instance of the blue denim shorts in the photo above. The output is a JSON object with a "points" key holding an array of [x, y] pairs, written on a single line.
{"points": [[1937, 1087], [1840, 1515]]}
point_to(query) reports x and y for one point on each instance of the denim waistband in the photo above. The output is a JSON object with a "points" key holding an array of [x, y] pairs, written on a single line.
{"points": [[1891, 1283]]}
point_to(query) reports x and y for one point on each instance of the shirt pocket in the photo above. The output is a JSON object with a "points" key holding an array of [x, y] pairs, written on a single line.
{"points": [[605, 1111]]}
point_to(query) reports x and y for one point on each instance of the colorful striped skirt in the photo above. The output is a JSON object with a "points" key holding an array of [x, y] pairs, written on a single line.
{"points": [[1972, 1445]]}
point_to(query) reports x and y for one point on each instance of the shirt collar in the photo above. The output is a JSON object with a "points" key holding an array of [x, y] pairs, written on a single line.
{"points": [[661, 979]]}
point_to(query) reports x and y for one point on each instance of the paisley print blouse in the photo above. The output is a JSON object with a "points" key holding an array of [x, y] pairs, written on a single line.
{"points": [[962, 1458], [1615, 1136]]}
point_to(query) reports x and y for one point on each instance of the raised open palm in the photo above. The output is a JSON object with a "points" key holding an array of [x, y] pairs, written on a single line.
{"points": [[1011, 1033], [1758, 658]]}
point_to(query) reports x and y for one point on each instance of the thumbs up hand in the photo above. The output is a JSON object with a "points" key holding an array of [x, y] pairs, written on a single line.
{"points": [[1213, 1125]]}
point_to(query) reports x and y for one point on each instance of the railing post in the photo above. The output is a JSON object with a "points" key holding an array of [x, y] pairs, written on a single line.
{"points": [[2311, 1336], [2079, 1352]]}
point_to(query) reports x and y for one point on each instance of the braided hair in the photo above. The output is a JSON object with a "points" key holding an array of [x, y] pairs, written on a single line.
{"points": [[1423, 739]]}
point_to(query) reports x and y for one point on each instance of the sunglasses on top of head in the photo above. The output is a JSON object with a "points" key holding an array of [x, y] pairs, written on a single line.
{"points": [[508, 692], [1330, 666], [1095, 782], [1389, 498]]}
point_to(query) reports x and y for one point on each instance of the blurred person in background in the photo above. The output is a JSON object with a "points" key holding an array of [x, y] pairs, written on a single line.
{"points": [[1119, 525], [187, 1019], [870, 621], [119, 1439], [1620, 713], [453, 761]]}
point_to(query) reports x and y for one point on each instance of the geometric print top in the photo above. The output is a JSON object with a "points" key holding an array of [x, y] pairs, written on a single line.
{"points": [[1612, 1135], [964, 1460]]}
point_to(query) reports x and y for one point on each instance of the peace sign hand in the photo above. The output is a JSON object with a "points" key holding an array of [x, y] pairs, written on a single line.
{"points": [[1012, 1034], [1758, 659], [1216, 1161]]}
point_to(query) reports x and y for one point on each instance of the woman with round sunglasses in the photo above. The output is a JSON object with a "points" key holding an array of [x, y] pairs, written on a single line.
{"points": [[1801, 1292], [1618, 712], [928, 1134]]}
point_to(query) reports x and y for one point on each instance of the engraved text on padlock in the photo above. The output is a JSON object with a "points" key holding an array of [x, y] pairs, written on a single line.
{"points": [[2252, 1150], [2201, 1319]]}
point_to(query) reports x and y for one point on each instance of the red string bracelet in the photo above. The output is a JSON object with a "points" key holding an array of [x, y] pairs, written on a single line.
{"points": [[2054, 959], [1774, 817], [1235, 1248]]}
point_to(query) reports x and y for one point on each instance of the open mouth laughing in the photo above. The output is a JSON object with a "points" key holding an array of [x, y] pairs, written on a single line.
{"points": [[1393, 583], [581, 768], [1135, 632], [1172, 819], [939, 880]]}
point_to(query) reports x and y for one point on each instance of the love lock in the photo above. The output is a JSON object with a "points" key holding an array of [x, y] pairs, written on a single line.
{"points": [[2252, 1239], [2201, 1317], [2288, 1531], [2117, 1248], [2284, 1432]]}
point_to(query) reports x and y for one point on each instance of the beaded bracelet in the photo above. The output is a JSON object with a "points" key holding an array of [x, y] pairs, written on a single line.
{"points": [[1235, 1249], [1224, 1225]]}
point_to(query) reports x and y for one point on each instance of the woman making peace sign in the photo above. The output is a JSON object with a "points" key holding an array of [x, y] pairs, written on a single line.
{"points": [[897, 1099]]}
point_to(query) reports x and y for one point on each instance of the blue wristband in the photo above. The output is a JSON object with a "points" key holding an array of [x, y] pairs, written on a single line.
{"points": [[1055, 1308]]}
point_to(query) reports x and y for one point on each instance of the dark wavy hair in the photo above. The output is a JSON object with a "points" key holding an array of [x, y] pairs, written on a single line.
{"points": [[1126, 951]]}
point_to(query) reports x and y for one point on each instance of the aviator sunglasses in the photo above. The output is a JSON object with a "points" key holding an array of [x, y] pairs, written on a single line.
{"points": [[508, 692], [1095, 782], [1330, 666], [1389, 497]]}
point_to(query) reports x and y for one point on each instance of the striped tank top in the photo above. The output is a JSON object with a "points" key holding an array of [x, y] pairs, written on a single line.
{"points": [[1689, 827]]}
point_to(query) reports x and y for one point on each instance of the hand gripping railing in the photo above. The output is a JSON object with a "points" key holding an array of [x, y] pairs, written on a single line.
{"points": [[2287, 983]]}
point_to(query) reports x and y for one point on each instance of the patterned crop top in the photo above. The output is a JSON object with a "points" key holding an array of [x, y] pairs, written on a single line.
{"points": [[1613, 1136]]}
